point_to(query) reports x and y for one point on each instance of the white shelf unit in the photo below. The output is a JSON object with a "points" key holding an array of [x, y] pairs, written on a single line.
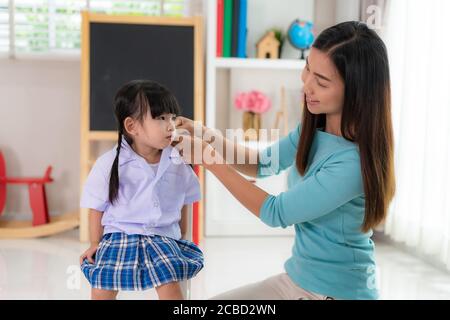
{"points": [[254, 63], [224, 215]]}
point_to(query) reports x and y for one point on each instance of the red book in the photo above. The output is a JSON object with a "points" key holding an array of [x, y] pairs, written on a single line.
{"points": [[219, 38]]}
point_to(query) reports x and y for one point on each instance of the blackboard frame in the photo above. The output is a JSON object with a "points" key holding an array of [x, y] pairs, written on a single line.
{"points": [[88, 136]]}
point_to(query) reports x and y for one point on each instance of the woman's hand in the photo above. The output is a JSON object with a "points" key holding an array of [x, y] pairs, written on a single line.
{"points": [[187, 124], [89, 254], [195, 150]]}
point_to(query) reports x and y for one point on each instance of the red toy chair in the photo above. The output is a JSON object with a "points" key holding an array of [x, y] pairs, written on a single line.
{"points": [[40, 225], [36, 189]]}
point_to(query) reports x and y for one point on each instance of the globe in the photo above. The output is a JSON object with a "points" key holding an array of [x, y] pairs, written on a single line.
{"points": [[300, 35]]}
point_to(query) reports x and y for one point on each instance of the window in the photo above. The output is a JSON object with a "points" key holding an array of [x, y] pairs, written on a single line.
{"points": [[53, 26], [47, 25], [4, 26], [143, 7], [174, 8]]}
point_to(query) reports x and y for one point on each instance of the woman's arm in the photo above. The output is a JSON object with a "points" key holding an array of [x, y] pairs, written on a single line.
{"points": [[243, 190], [248, 194], [274, 159], [249, 156], [240, 153], [335, 184], [271, 161]]}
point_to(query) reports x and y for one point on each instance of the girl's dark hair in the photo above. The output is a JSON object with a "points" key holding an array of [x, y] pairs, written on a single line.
{"points": [[361, 59], [135, 99]]}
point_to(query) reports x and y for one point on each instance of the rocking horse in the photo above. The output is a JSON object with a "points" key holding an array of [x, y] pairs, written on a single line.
{"points": [[41, 225]]}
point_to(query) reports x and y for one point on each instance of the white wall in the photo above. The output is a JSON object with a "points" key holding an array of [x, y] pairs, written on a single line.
{"points": [[347, 10], [324, 14], [39, 126], [266, 14], [330, 12]]}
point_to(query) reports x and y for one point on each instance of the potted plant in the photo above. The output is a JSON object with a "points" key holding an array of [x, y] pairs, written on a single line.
{"points": [[253, 103]]}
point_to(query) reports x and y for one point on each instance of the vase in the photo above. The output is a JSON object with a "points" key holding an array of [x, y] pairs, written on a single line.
{"points": [[251, 123]]}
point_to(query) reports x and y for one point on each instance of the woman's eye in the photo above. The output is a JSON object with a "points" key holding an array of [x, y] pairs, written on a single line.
{"points": [[321, 85]]}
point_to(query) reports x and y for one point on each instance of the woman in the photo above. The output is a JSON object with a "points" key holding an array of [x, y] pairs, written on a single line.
{"points": [[343, 154]]}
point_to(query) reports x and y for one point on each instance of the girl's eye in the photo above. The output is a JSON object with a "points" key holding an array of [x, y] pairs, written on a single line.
{"points": [[166, 117]]}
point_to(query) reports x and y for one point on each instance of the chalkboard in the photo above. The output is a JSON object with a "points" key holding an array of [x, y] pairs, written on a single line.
{"points": [[120, 52]]}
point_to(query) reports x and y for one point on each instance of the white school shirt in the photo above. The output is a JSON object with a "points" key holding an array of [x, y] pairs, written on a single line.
{"points": [[147, 203]]}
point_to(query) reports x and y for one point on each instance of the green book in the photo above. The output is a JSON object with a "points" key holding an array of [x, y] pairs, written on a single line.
{"points": [[227, 27]]}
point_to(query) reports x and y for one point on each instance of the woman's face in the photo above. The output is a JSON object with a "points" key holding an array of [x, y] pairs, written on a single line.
{"points": [[323, 86]]}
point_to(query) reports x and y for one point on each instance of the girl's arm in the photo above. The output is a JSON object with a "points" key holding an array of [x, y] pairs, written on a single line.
{"points": [[184, 222], [95, 235], [95, 226]]}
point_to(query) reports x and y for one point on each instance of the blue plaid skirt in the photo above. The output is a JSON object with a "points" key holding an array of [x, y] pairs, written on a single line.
{"points": [[138, 262]]}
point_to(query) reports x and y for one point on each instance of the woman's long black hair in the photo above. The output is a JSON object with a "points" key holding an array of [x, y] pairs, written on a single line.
{"points": [[135, 99]]}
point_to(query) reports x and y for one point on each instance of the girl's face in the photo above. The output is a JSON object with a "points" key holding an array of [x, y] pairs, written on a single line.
{"points": [[323, 86], [153, 132]]}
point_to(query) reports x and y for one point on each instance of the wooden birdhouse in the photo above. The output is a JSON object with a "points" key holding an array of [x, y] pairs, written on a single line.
{"points": [[268, 46]]}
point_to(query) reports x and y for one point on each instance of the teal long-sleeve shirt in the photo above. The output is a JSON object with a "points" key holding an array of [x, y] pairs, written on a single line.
{"points": [[331, 255]]}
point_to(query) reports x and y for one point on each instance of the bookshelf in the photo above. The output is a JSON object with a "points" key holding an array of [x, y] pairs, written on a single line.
{"points": [[225, 77]]}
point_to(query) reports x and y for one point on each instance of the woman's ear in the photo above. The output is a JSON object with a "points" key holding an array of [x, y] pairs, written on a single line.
{"points": [[130, 126]]}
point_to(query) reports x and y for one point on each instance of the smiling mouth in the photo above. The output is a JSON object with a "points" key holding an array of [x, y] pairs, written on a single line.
{"points": [[309, 100]]}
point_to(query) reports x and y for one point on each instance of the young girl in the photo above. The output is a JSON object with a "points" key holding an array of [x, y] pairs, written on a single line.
{"points": [[136, 193]]}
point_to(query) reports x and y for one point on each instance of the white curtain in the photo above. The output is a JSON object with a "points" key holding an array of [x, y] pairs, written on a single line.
{"points": [[418, 39]]}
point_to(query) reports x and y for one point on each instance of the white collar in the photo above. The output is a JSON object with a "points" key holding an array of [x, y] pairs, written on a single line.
{"points": [[127, 154]]}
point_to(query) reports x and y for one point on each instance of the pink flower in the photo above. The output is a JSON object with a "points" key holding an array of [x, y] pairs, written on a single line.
{"points": [[253, 101], [241, 101]]}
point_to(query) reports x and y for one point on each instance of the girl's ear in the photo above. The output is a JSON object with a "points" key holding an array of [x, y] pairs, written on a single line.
{"points": [[130, 126]]}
